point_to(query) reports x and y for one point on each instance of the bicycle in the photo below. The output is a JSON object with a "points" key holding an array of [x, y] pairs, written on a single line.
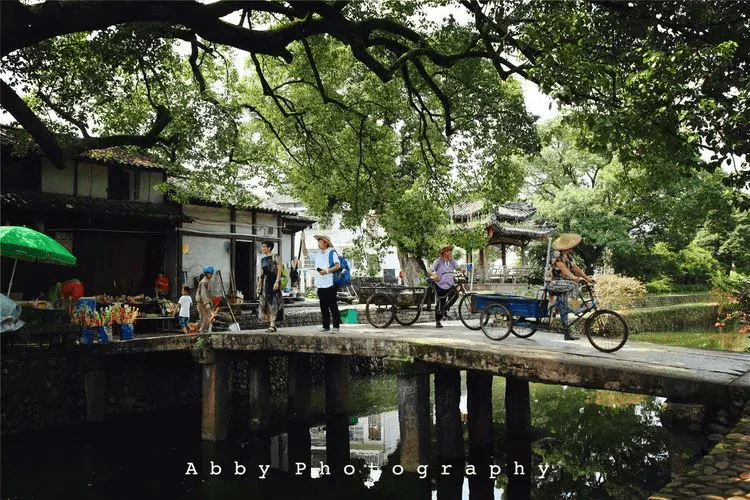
{"points": [[405, 304], [502, 315]]}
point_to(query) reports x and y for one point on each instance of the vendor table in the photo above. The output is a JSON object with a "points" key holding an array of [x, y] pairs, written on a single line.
{"points": [[148, 323]]}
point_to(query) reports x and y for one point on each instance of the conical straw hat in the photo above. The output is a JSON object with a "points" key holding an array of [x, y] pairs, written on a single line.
{"points": [[566, 241]]}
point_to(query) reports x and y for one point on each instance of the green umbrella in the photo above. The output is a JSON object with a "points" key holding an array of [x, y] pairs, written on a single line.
{"points": [[18, 242]]}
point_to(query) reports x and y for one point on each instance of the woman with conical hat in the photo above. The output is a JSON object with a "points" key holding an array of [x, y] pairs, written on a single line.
{"points": [[565, 277]]}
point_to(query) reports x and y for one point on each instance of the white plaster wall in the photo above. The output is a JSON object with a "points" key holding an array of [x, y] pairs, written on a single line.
{"points": [[57, 181], [205, 250], [286, 251], [244, 222], [266, 226], [207, 219], [149, 181], [92, 180]]}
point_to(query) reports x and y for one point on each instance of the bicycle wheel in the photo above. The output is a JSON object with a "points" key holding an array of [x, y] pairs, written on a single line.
{"points": [[467, 312], [379, 310], [496, 321], [606, 330], [406, 315], [522, 328]]}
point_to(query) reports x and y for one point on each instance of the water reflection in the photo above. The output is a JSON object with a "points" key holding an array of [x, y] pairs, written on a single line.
{"points": [[583, 444]]}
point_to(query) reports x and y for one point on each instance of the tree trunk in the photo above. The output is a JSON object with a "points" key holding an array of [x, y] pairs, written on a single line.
{"points": [[413, 268]]}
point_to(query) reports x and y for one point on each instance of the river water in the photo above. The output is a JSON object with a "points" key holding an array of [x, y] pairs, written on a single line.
{"points": [[586, 444]]}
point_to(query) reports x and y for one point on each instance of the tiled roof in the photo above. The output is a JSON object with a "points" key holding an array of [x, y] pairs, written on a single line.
{"points": [[63, 203], [18, 138], [511, 211], [119, 157]]}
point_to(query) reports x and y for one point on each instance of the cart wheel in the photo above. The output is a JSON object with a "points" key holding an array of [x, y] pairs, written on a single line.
{"points": [[467, 312], [607, 331], [406, 315], [496, 321], [379, 310], [523, 328]]}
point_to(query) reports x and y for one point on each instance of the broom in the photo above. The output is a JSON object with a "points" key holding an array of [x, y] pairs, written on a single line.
{"points": [[233, 327]]}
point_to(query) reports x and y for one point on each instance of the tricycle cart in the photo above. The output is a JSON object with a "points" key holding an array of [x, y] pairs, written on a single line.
{"points": [[501, 315]]}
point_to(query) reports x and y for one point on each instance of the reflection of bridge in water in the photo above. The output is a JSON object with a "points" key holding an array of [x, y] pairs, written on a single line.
{"points": [[415, 353]]}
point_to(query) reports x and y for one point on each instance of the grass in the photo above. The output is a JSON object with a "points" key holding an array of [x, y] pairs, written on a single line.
{"points": [[699, 339]]}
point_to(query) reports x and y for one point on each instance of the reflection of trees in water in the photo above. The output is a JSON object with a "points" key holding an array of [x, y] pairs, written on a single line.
{"points": [[597, 451]]}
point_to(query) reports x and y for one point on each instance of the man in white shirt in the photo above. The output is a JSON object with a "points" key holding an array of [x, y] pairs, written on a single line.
{"points": [[329, 308]]}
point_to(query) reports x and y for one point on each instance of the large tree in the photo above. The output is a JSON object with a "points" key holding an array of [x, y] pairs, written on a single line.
{"points": [[362, 98]]}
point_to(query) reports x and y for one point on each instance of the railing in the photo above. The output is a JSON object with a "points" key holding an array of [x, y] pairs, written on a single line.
{"points": [[500, 274]]}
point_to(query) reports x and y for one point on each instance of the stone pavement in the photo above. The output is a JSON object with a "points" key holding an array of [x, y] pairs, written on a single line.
{"points": [[722, 474]]}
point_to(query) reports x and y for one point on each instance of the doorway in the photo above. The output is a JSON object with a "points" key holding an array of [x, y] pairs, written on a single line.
{"points": [[244, 268]]}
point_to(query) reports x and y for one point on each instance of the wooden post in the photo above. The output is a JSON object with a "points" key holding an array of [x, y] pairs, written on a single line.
{"points": [[215, 396]]}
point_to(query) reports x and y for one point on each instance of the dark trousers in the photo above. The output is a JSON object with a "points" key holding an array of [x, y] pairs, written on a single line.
{"points": [[442, 296], [329, 307]]}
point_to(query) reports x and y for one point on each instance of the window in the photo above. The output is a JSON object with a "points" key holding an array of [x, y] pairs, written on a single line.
{"points": [[118, 186]]}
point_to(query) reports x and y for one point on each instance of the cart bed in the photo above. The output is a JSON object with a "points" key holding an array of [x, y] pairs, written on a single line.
{"points": [[518, 306]]}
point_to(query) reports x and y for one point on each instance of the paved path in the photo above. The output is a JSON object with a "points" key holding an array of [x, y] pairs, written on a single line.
{"points": [[682, 374], [722, 474]]}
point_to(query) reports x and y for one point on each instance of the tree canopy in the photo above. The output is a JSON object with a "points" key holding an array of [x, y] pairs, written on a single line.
{"points": [[354, 105]]}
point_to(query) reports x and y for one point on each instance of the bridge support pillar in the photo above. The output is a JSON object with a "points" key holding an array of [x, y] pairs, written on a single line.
{"points": [[414, 419], [95, 387], [337, 412], [450, 438], [215, 396], [298, 410], [518, 428], [299, 386], [479, 405], [259, 391]]}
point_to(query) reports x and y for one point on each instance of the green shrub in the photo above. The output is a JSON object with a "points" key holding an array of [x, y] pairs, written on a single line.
{"points": [[676, 317], [662, 285], [614, 291]]}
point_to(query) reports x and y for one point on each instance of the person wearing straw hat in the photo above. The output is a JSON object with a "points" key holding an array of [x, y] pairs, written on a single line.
{"points": [[441, 272], [329, 309], [566, 276]]}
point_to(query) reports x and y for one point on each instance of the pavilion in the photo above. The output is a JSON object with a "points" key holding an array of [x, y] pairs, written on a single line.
{"points": [[509, 224]]}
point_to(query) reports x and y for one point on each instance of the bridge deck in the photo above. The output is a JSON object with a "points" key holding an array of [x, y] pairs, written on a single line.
{"points": [[678, 373]]}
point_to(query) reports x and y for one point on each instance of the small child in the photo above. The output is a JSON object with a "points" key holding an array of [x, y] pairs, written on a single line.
{"points": [[185, 302]]}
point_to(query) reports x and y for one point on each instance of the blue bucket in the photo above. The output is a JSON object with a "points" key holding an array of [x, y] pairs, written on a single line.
{"points": [[103, 337], [86, 303], [126, 331], [87, 336]]}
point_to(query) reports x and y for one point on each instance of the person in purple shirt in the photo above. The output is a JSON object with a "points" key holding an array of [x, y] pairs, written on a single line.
{"points": [[441, 272]]}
